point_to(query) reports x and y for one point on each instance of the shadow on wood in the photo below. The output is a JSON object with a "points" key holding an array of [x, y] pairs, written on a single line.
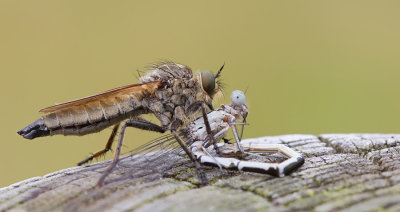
{"points": [[342, 172]]}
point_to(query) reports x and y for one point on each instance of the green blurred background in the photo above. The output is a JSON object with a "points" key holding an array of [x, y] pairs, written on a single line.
{"points": [[308, 66]]}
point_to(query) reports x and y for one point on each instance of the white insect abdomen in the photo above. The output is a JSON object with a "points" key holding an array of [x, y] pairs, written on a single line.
{"points": [[218, 123]]}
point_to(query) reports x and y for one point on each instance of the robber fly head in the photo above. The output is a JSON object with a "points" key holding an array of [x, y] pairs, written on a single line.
{"points": [[210, 83]]}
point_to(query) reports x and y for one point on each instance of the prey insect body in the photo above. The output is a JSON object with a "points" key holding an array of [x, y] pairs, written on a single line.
{"points": [[220, 121], [166, 91]]}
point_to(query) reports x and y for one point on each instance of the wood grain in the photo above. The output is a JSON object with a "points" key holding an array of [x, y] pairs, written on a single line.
{"points": [[342, 172]]}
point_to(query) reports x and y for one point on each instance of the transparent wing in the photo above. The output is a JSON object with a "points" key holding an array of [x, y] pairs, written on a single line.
{"points": [[159, 148], [116, 94]]}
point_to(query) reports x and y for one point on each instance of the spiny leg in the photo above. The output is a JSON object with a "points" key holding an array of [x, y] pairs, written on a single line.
{"points": [[195, 107], [208, 128], [174, 126], [130, 123], [106, 148]]}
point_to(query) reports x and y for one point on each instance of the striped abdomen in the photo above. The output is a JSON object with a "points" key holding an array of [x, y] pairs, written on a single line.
{"points": [[93, 116], [93, 113]]}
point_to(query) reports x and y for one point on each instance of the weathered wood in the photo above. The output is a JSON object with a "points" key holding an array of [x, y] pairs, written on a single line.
{"points": [[342, 172]]}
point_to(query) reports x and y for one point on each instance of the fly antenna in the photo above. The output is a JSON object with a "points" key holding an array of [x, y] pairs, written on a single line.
{"points": [[139, 72], [245, 91], [219, 72]]}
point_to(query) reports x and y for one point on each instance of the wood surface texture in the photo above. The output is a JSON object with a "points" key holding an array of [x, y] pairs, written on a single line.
{"points": [[342, 172]]}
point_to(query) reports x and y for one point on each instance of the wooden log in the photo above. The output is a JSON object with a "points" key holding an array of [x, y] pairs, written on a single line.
{"points": [[342, 172]]}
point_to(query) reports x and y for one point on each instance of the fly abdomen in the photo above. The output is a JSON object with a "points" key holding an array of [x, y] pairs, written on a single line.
{"points": [[91, 113], [87, 128], [84, 119], [36, 129]]}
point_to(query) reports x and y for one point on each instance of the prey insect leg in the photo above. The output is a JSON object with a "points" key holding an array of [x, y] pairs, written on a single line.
{"points": [[174, 127], [106, 148], [235, 134], [130, 123]]}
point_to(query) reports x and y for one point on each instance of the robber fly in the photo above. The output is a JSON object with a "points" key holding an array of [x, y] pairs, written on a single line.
{"points": [[167, 90]]}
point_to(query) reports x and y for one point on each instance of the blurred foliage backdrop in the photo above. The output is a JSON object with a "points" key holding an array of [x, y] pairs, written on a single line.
{"points": [[308, 66]]}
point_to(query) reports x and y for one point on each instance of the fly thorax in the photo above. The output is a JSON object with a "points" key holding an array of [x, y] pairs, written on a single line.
{"points": [[155, 73], [151, 76], [156, 106], [165, 71], [178, 85], [180, 92], [163, 94]]}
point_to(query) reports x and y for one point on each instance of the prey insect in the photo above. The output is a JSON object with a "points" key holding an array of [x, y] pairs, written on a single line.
{"points": [[219, 121], [167, 90]]}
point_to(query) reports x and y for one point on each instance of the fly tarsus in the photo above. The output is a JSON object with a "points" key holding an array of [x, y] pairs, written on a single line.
{"points": [[106, 148], [87, 160], [227, 141], [95, 155]]}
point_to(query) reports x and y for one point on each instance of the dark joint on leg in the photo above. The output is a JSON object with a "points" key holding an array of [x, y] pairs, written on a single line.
{"points": [[106, 148]]}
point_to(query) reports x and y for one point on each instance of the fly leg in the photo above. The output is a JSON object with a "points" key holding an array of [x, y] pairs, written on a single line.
{"points": [[130, 123], [174, 126], [106, 148], [143, 125], [194, 107], [208, 128]]}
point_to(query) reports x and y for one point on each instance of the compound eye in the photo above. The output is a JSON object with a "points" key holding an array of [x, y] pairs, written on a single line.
{"points": [[208, 82], [238, 98]]}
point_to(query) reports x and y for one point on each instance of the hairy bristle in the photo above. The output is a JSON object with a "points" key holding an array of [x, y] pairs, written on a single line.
{"points": [[221, 85], [219, 72]]}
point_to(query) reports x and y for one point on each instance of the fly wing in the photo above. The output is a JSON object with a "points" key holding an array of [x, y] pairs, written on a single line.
{"points": [[164, 149], [165, 144], [134, 89]]}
